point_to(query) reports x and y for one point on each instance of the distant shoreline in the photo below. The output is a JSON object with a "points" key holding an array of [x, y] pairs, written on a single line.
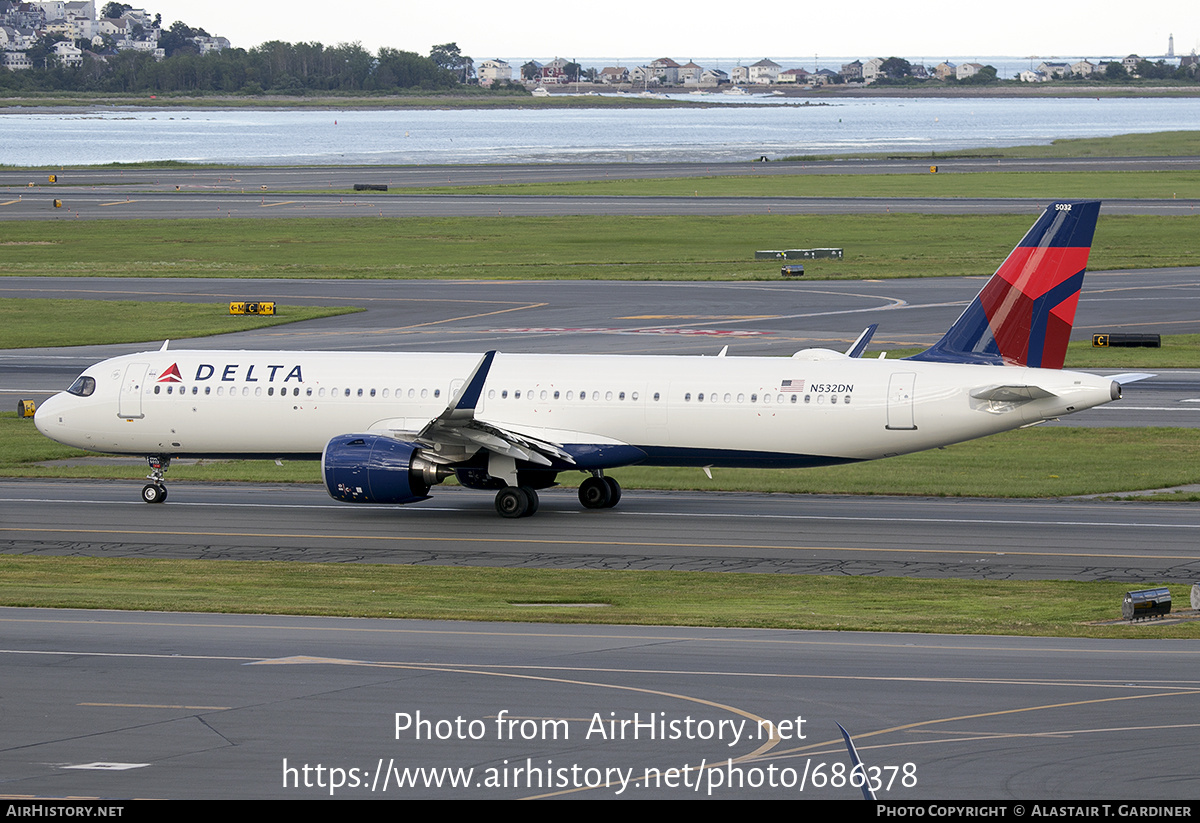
{"points": [[577, 97]]}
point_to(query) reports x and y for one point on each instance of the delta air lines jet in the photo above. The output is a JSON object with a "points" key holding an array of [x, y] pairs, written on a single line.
{"points": [[388, 427]]}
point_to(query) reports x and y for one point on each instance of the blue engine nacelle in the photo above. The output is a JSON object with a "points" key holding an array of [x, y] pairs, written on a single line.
{"points": [[375, 468]]}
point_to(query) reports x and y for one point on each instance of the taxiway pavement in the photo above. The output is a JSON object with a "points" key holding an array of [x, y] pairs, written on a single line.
{"points": [[195, 706]]}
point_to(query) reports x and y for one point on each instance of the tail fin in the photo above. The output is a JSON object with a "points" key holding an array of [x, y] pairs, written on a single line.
{"points": [[1023, 316]]}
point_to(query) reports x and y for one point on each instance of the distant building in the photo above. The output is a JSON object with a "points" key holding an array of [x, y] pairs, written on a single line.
{"points": [[944, 71], [793, 76], [1056, 70], [614, 75], [68, 54], [852, 72], [1033, 76], [1083, 68], [17, 61], [667, 71], [494, 71], [968, 70], [689, 74], [554, 72], [764, 71]]}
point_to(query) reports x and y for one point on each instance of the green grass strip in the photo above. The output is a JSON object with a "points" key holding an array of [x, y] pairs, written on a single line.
{"points": [[41, 323], [781, 601], [1154, 144], [608, 248], [1184, 185]]}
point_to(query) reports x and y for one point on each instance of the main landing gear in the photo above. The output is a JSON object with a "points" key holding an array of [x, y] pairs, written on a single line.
{"points": [[156, 490], [516, 501], [599, 492]]}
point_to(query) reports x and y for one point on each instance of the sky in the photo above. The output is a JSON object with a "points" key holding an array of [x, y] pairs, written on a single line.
{"points": [[706, 30]]}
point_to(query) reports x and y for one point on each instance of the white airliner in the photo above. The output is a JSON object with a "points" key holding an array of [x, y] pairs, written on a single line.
{"points": [[387, 427]]}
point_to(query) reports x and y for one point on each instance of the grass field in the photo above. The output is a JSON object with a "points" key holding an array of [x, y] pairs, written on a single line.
{"points": [[1154, 144], [611, 248], [1183, 185], [42, 323], [1064, 609]]}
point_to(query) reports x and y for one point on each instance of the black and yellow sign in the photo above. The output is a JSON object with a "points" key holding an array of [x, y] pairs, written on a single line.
{"points": [[246, 307]]}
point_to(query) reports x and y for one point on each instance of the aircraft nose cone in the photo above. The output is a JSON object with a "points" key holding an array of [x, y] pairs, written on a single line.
{"points": [[45, 415]]}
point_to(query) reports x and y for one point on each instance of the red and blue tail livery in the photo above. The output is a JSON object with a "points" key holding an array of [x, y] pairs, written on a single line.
{"points": [[1024, 314]]}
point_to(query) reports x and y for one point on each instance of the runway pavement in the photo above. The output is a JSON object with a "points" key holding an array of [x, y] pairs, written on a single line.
{"points": [[121, 705], [153, 205], [1138, 543]]}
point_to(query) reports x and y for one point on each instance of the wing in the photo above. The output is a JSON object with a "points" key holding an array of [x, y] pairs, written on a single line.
{"points": [[456, 430]]}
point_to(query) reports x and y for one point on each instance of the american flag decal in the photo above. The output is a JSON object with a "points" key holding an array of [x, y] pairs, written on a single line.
{"points": [[792, 385]]}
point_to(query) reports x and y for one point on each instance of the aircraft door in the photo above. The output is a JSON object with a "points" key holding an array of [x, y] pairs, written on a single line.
{"points": [[900, 402], [129, 406]]}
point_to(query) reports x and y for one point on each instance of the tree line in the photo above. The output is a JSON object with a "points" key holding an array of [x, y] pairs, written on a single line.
{"points": [[273, 67]]}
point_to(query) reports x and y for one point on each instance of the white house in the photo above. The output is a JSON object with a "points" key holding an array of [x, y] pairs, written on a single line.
{"points": [[764, 72], [494, 71]]}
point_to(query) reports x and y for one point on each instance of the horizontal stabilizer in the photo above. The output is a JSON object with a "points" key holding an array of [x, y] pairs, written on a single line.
{"points": [[1126, 378]]}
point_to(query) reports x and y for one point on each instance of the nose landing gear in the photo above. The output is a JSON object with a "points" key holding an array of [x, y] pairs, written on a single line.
{"points": [[156, 490]]}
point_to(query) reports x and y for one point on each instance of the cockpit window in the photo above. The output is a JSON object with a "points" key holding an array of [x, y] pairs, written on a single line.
{"points": [[83, 386]]}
